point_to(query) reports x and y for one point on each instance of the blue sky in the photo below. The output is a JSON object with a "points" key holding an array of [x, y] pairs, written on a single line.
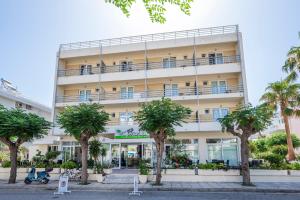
{"points": [[31, 31]]}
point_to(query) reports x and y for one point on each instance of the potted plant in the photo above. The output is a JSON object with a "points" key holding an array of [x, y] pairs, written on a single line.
{"points": [[143, 171]]}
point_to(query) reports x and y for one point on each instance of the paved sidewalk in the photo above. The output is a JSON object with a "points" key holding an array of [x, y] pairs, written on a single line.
{"points": [[282, 187]]}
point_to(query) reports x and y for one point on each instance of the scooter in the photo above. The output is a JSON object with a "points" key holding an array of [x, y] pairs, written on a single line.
{"points": [[41, 177]]}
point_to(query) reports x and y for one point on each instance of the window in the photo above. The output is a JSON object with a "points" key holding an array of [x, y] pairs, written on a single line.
{"points": [[223, 149], [113, 115], [169, 62], [126, 66], [187, 84], [185, 57], [114, 89], [215, 58], [18, 105], [126, 118], [85, 69], [205, 83], [85, 95], [170, 90], [52, 148], [28, 107], [219, 113], [218, 87], [203, 55], [126, 92], [206, 111]]}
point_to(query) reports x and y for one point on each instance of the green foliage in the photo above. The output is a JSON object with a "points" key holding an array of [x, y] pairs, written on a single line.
{"points": [[6, 164], [292, 63], [213, 166], [69, 165], [95, 147], [144, 168], [17, 126], [272, 158], [160, 115], [295, 166], [52, 155], [83, 120], [156, 9], [4, 156], [181, 160], [247, 118], [279, 138], [38, 158], [284, 94], [280, 150], [99, 168]]}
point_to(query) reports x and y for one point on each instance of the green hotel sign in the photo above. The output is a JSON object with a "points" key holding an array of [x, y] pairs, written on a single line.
{"points": [[130, 133]]}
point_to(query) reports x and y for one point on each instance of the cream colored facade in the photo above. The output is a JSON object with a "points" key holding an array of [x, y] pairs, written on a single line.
{"points": [[202, 69]]}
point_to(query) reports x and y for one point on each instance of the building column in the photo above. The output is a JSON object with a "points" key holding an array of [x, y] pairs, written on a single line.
{"points": [[202, 150]]}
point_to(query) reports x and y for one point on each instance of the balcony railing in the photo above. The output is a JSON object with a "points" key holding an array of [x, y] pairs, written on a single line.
{"points": [[188, 91], [151, 37], [150, 65]]}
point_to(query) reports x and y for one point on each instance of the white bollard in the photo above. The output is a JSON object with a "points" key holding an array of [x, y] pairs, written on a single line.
{"points": [[63, 185], [135, 187]]}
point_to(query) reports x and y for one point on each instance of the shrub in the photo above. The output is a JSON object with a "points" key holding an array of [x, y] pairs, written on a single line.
{"points": [[213, 166], [6, 164], [295, 166], [273, 159], [99, 168], [69, 165], [181, 161], [143, 167], [280, 150], [260, 145], [52, 155], [4, 156], [279, 138]]}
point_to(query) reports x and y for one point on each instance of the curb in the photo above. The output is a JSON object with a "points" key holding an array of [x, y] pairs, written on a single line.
{"points": [[255, 190]]}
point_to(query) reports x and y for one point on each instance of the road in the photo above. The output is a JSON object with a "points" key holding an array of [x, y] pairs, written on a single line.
{"points": [[158, 195]]}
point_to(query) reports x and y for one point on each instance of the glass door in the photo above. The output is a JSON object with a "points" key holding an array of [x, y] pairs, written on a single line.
{"points": [[115, 156]]}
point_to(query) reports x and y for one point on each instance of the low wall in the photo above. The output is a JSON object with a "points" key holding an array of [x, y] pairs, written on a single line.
{"points": [[54, 174], [188, 175]]}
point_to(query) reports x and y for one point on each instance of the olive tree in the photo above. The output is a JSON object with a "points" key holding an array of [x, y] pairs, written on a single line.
{"points": [[243, 122], [17, 127], [158, 118], [83, 121]]}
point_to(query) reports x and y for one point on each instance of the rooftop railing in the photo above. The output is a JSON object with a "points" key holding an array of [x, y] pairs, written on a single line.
{"points": [[151, 37], [170, 93], [149, 66]]}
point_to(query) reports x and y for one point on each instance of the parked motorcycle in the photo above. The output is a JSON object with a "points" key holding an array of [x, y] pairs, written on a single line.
{"points": [[41, 177]]}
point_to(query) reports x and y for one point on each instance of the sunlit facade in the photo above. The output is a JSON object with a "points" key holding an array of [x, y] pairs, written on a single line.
{"points": [[202, 69]]}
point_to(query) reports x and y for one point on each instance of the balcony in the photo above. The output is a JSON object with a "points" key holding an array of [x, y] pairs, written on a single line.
{"points": [[187, 93], [149, 66]]}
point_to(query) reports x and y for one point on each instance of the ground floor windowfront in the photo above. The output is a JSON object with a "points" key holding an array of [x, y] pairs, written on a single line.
{"points": [[126, 153]]}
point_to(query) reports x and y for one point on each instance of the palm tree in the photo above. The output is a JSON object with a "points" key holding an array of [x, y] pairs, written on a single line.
{"points": [[292, 64], [284, 95]]}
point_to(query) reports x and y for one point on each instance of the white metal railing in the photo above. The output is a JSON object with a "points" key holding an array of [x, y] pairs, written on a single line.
{"points": [[170, 93], [152, 37], [150, 65]]}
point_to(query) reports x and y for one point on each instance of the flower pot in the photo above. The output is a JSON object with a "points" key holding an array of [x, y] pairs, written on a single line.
{"points": [[143, 179]]}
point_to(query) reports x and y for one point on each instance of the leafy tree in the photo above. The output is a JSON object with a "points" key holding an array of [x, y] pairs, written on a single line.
{"points": [[286, 96], [51, 155], [83, 122], [155, 8], [292, 63], [279, 138], [244, 122], [95, 147], [158, 118], [17, 127]]}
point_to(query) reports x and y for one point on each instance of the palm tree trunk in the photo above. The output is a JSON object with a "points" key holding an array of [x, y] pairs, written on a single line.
{"points": [[291, 152], [245, 160], [84, 155], [13, 149]]}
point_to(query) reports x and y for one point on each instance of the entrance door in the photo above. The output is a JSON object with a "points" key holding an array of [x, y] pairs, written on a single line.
{"points": [[130, 155], [115, 155]]}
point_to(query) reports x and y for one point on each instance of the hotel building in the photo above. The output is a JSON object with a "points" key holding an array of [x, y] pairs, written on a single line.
{"points": [[202, 69]]}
